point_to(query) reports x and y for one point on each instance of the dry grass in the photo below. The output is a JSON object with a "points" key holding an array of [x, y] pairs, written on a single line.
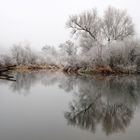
{"points": [[37, 67], [104, 69]]}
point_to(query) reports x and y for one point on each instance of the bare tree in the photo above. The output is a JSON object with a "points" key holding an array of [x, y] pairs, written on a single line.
{"points": [[117, 24], [88, 22], [23, 54], [50, 54], [6, 60], [86, 42], [68, 48], [68, 52], [49, 50]]}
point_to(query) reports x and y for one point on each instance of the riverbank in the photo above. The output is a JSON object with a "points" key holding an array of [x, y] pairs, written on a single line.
{"points": [[78, 69], [102, 69]]}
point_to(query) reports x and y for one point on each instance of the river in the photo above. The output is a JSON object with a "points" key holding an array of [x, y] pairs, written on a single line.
{"points": [[56, 106]]}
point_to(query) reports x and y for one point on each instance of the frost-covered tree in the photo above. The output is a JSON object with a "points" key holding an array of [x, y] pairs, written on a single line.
{"points": [[68, 52], [6, 59], [68, 48], [124, 52], [23, 54], [86, 42], [94, 34], [50, 50], [88, 22], [117, 24], [16, 54], [50, 54]]}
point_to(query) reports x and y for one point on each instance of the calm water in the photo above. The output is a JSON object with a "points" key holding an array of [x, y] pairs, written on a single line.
{"points": [[54, 106]]}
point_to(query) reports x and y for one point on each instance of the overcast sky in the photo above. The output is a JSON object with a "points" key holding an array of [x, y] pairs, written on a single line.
{"points": [[43, 21]]}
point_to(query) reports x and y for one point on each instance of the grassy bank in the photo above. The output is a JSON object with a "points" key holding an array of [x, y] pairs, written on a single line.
{"points": [[36, 67], [76, 69]]}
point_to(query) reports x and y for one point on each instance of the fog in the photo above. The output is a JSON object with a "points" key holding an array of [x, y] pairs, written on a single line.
{"points": [[42, 22]]}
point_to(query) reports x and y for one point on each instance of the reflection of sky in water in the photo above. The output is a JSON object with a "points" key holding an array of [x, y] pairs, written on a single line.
{"points": [[107, 107]]}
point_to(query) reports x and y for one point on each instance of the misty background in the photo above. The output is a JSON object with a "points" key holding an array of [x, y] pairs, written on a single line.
{"points": [[42, 22]]}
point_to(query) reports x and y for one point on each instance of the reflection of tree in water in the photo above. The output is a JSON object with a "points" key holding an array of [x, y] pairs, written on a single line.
{"points": [[67, 83], [26, 80], [116, 118], [110, 103]]}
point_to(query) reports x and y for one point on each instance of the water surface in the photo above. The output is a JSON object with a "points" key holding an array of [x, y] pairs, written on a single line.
{"points": [[54, 106]]}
